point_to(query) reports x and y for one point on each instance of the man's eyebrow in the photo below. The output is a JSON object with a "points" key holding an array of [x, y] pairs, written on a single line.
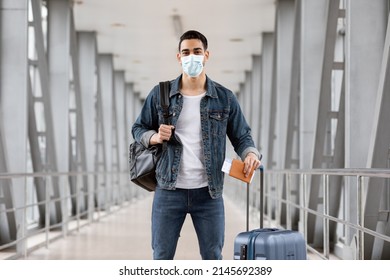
{"points": [[187, 50]]}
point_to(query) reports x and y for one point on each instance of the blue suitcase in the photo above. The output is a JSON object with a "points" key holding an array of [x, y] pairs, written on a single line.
{"points": [[268, 243]]}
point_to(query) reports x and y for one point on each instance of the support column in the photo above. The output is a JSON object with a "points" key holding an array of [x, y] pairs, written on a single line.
{"points": [[121, 152], [13, 103], [87, 48], [285, 31], [131, 111], [247, 96], [129, 119], [291, 159], [241, 95], [106, 80], [372, 99], [77, 151], [280, 97], [363, 58], [313, 26], [59, 69], [292, 137], [58, 59], [120, 88], [266, 93], [106, 77], [256, 99]]}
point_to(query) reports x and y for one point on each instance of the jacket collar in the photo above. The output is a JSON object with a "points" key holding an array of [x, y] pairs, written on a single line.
{"points": [[210, 87]]}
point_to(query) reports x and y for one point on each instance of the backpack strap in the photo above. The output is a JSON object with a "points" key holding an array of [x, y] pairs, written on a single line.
{"points": [[164, 99], [165, 87]]}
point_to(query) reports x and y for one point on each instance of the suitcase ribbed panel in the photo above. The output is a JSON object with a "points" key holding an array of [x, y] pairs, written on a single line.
{"points": [[270, 244]]}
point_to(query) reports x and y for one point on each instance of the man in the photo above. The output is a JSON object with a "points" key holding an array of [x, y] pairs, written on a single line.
{"points": [[189, 176]]}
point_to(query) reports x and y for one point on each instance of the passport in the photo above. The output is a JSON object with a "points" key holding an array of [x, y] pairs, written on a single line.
{"points": [[235, 168]]}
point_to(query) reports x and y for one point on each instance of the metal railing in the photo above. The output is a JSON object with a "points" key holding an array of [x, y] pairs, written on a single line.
{"points": [[287, 193], [97, 198], [292, 181]]}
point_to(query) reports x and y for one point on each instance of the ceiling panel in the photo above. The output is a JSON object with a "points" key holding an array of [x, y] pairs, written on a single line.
{"points": [[142, 35]]}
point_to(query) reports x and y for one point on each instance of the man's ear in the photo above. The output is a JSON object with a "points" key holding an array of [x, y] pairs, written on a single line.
{"points": [[206, 55], [178, 57]]}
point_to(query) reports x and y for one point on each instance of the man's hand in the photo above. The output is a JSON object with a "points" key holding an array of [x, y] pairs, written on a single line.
{"points": [[164, 134], [251, 162]]}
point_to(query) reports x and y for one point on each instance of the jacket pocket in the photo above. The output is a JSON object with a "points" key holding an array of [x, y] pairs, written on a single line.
{"points": [[218, 122]]}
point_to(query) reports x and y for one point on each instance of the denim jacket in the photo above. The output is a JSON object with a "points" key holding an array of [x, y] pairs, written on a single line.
{"points": [[220, 116]]}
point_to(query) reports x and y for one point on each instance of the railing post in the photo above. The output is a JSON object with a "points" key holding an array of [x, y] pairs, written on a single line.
{"points": [[24, 219], [268, 198], [91, 197], [77, 200], [262, 198], [47, 211], [278, 202], [247, 206], [288, 200], [304, 203], [325, 184], [360, 217]]}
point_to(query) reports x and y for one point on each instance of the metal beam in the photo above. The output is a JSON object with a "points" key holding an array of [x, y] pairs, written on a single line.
{"points": [[314, 228], [36, 145], [49, 154], [77, 147]]}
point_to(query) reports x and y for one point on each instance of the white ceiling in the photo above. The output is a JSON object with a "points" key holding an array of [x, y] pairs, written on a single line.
{"points": [[141, 35]]}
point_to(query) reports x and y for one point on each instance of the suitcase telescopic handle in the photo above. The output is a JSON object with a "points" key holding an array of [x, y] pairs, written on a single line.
{"points": [[261, 200]]}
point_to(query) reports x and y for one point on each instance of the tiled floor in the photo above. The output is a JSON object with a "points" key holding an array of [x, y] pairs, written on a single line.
{"points": [[126, 235]]}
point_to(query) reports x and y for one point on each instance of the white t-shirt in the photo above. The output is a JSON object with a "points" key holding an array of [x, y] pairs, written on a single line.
{"points": [[192, 173]]}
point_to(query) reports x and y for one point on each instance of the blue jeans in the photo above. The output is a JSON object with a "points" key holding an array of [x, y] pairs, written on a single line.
{"points": [[170, 208]]}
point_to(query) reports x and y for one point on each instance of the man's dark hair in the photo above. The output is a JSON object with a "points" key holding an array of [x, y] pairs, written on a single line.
{"points": [[193, 34]]}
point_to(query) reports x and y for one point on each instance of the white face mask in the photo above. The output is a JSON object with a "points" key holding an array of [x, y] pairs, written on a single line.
{"points": [[192, 64]]}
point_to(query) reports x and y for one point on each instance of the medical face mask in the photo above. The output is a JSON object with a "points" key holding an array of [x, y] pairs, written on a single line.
{"points": [[192, 64]]}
